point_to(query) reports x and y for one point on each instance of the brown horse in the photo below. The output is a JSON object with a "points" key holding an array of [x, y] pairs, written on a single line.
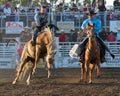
{"points": [[44, 47], [92, 56]]}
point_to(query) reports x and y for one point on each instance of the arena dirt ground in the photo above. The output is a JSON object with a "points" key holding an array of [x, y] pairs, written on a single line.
{"points": [[64, 82]]}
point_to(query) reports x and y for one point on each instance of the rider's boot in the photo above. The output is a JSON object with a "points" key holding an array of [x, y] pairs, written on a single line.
{"points": [[33, 42], [36, 30]]}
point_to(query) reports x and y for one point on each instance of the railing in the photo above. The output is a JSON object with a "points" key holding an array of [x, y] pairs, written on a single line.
{"points": [[54, 17], [7, 55], [66, 61], [62, 58]]}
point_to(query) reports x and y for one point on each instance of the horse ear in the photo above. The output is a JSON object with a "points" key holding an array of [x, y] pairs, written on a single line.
{"points": [[88, 24]]}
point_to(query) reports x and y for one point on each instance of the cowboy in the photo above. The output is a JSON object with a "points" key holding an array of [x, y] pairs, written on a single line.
{"points": [[92, 19], [41, 19]]}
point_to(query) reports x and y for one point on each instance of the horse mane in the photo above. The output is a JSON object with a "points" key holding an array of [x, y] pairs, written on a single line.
{"points": [[50, 33]]}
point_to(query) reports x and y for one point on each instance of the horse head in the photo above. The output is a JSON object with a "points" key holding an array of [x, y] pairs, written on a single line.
{"points": [[90, 31]]}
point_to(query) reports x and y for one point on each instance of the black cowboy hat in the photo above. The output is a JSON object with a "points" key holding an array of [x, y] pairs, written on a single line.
{"points": [[91, 12]]}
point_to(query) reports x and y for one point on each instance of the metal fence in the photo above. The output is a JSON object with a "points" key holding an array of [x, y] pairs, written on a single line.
{"points": [[8, 55], [54, 17], [64, 60]]}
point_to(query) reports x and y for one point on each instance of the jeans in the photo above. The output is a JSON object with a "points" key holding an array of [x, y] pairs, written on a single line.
{"points": [[36, 30]]}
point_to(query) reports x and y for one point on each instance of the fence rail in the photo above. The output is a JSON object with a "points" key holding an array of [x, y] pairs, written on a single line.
{"points": [[62, 58], [54, 17]]}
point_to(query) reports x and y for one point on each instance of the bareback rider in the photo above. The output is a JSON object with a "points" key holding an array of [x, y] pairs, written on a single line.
{"points": [[92, 19], [41, 19]]}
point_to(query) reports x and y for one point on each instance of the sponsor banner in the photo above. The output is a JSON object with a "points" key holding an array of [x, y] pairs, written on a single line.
{"points": [[115, 26], [66, 26], [14, 27]]}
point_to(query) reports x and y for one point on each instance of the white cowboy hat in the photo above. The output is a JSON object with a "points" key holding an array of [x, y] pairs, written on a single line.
{"points": [[26, 27]]}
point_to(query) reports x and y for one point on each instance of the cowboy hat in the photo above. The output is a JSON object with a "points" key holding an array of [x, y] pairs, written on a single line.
{"points": [[91, 12], [26, 27]]}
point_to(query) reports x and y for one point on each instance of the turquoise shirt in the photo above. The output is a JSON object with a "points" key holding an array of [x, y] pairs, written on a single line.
{"points": [[97, 23]]}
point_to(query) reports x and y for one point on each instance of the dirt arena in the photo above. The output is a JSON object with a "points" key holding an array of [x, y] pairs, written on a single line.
{"points": [[64, 82]]}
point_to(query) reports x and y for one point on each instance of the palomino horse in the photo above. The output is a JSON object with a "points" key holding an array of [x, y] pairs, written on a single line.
{"points": [[44, 46], [92, 56]]}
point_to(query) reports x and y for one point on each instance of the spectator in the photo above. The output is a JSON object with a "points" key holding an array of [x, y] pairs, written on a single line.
{"points": [[73, 36], [112, 16], [63, 36], [19, 50], [7, 11], [85, 7], [26, 35], [74, 7], [116, 4], [99, 6], [111, 37], [16, 13]]}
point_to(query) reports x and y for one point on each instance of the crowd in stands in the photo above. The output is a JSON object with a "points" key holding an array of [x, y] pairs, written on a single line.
{"points": [[7, 10]]}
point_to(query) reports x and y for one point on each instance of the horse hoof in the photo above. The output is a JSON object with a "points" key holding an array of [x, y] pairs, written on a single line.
{"points": [[14, 82], [81, 80], [90, 82], [28, 83]]}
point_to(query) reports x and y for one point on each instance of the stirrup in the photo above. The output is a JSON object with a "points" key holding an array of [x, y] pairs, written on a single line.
{"points": [[81, 59]]}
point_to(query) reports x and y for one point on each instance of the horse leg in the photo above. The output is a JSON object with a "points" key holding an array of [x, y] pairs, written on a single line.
{"points": [[82, 72], [19, 71], [86, 71], [98, 70], [33, 66], [92, 66], [37, 54], [30, 74], [50, 61], [24, 71]]}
